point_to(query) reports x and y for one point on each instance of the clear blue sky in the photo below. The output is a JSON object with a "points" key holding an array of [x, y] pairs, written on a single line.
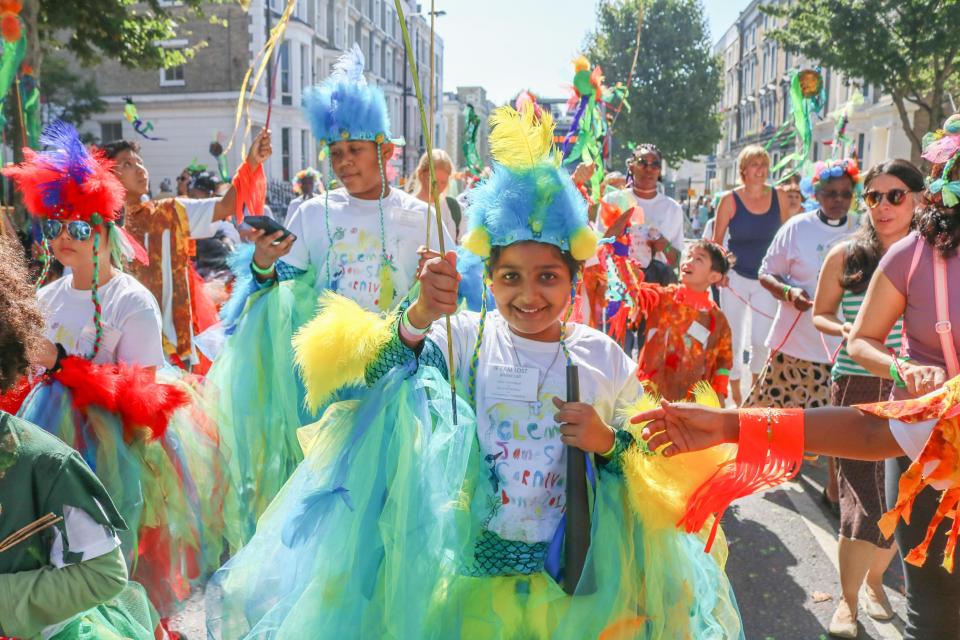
{"points": [[508, 45]]}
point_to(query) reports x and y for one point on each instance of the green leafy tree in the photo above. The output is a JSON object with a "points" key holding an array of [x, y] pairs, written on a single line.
{"points": [[675, 87], [123, 30], [907, 48]]}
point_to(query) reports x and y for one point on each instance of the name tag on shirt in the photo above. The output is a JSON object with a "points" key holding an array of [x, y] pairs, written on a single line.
{"points": [[698, 332], [411, 218], [111, 338], [508, 382]]}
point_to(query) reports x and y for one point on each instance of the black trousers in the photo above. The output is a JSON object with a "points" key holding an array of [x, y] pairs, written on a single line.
{"points": [[933, 595]]}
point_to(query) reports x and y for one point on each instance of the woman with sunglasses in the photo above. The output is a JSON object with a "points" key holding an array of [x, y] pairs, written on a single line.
{"points": [[917, 280], [891, 192], [100, 392], [751, 213]]}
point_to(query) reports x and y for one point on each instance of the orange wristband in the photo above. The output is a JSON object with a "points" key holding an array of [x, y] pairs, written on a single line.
{"points": [[770, 452]]}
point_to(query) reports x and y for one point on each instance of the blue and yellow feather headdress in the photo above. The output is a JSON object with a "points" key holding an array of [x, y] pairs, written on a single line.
{"points": [[345, 107], [528, 197]]}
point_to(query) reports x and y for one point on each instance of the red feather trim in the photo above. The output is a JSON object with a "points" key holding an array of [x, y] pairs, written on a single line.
{"points": [[13, 398], [90, 384], [142, 402], [99, 192], [130, 391]]}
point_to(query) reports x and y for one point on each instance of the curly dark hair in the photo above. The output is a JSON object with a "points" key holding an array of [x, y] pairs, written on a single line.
{"points": [[21, 322], [116, 147], [939, 224], [863, 250]]}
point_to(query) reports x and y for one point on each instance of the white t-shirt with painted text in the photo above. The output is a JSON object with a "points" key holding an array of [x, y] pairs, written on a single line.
{"points": [[519, 439], [345, 248]]}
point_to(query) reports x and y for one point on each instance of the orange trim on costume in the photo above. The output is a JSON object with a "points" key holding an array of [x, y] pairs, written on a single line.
{"points": [[770, 452]]}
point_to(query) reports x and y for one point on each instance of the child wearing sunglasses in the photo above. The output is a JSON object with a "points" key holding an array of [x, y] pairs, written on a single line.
{"points": [[59, 579], [99, 390]]}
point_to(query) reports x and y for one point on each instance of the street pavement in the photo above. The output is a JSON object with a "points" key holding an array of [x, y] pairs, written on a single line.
{"points": [[782, 565]]}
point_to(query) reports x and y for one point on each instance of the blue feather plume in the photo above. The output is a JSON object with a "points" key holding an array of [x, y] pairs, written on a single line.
{"points": [[344, 102]]}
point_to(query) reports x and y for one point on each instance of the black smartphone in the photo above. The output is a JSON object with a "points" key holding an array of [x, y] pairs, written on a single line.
{"points": [[268, 225]]}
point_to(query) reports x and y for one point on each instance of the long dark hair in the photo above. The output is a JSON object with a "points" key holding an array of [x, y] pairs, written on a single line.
{"points": [[863, 250], [939, 224]]}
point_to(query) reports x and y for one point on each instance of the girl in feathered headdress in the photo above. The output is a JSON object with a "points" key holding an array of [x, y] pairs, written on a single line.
{"points": [[62, 573], [360, 240], [408, 520], [99, 389]]}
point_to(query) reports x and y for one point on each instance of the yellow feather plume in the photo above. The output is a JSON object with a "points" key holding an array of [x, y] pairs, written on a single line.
{"points": [[660, 487], [335, 348], [519, 140], [580, 63]]}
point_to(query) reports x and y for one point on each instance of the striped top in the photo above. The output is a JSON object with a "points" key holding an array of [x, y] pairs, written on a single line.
{"points": [[844, 365]]}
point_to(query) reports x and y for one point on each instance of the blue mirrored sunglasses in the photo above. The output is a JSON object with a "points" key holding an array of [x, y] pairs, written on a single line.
{"points": [[79, 230]]}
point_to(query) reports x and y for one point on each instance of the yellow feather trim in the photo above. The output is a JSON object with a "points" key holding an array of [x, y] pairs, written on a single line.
{"points": [[520, 140], [583, 243], [580, 63], [477, 242], [335, 348], [659, 487]]}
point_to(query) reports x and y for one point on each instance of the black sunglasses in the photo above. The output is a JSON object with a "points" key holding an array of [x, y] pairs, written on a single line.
{"points": [[79, 230], [894, 197], [643, 163]]}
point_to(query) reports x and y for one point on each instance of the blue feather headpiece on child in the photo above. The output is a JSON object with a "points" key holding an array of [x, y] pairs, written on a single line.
{"points": [[528, 197], [345, 107]]}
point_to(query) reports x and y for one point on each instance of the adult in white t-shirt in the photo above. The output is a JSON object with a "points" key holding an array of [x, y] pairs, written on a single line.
{"points": [[798, 374], [660, 234]]}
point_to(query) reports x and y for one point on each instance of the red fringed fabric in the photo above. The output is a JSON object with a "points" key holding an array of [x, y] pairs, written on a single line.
{"points": [[14, 397], [204, 310], [770, 452], [251, 189], [130, 391]]}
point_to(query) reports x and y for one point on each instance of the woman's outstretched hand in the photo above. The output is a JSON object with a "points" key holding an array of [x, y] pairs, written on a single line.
{"points": [[685, 427]]}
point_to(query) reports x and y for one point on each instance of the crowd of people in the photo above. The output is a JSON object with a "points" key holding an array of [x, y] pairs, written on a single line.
{"points": [[333, 429]]}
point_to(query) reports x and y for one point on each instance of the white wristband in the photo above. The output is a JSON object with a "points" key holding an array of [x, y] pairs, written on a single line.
{"points": [[411, 330]]}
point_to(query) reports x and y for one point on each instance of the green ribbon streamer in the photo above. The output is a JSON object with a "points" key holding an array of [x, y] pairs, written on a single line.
{"points": [[31, 116], [13, 54], [802, 109], [470, 156]]}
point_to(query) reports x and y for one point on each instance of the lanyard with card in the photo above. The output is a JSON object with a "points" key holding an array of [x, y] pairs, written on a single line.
{"points": [[509, 382]]}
